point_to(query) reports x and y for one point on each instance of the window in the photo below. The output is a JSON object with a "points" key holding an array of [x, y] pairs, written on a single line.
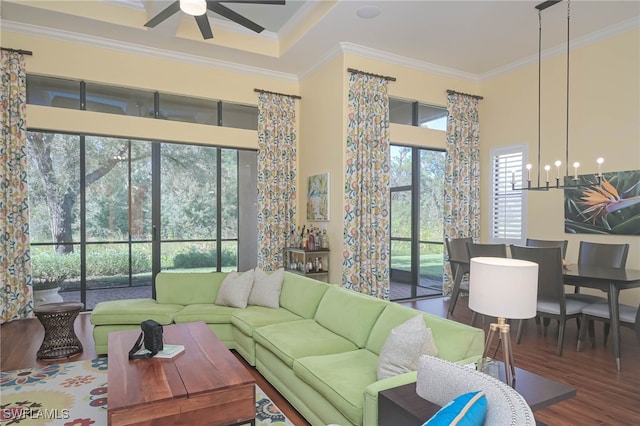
{"points": [[413, 113], [107, 213], [109, 99], [508, 207]]}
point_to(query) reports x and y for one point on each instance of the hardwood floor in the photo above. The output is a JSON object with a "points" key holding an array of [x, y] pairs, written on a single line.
{"points": [[604, 396]]}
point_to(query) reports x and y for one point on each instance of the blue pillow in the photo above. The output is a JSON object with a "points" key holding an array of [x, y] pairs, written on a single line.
{"points": [[468, 409]]}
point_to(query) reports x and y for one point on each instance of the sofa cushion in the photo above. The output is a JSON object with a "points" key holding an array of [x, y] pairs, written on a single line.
{"points": [[246, 320], [188, 288], [133, 311], [341, 378], [349, 314], [235, 289], [209, 313], [292, 340], [404, 346], [392, 316], [266, 288], [301, 295]]}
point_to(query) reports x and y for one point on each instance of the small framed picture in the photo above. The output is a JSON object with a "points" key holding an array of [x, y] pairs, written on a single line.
{"points": [[318, 197]]}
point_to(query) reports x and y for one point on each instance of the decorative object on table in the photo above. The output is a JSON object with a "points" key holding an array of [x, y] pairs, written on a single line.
{"points": [[558, 181], [506, 289], [76, 393], [152, 335], [60, 340], [612, 207], [318, 197]]}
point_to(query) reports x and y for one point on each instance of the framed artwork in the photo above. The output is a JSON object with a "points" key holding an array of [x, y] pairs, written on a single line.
{"points": [[318, 197], [610, 208]]}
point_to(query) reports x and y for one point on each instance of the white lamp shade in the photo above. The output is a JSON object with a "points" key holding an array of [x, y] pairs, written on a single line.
{"points": [[502, 287], [193, 7]]}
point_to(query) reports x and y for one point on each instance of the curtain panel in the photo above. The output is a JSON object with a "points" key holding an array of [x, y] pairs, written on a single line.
{"points": [[366, 249], [462, 174], [15, 257], [277, 196]]}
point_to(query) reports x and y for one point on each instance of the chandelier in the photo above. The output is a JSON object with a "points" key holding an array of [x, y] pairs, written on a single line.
{"points": [[567, 181]]}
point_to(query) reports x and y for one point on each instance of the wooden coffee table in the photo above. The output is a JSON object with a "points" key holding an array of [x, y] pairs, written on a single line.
{"points": [[401, 405], [205, 383]]}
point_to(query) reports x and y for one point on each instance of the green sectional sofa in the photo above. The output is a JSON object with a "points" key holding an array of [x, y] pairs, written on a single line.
{"points": [[320, 348]]}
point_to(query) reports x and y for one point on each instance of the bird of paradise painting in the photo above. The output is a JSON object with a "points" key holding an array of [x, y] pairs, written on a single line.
{"points": [[611, 207]]}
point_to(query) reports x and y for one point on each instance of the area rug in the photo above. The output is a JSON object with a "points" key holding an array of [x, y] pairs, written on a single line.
{"points": [[75, 394]]}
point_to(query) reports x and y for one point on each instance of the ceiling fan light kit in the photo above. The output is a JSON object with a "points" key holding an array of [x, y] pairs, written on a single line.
{"points": [[198, 9], [194, 7]]}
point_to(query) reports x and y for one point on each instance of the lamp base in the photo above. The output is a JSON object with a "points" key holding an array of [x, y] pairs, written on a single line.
{"points": [[502, 329]]}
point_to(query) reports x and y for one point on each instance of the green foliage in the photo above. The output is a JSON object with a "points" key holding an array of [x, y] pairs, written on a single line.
{"points": [[50, 269], [116, 262], [195, 257]]}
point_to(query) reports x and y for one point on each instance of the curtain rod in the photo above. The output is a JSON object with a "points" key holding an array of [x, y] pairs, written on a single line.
{"points": [[466, 94], [23, 52], [355, 71], [276, 93]]}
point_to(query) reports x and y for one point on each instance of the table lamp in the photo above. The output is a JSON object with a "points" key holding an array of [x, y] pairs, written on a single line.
{"points": [[506, 289]]}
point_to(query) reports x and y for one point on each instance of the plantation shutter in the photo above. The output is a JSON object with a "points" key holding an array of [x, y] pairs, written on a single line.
{"points": [[507, 207]]}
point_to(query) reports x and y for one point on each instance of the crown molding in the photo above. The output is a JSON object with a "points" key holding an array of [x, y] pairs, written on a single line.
{"points": [[594, 37], [94, 41], [324, 60], [403, 61]]}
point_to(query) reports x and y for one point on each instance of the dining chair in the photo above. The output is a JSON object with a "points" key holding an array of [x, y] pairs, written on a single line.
{"points": [[459, 261], [532, 242], [598, 254], [629, 317], [487, 250], [551, 302]]}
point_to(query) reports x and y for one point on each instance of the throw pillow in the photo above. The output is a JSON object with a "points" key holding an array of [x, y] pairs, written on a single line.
{"points": [[266, 288], [468, 409], [404, 346], [235, 289]]}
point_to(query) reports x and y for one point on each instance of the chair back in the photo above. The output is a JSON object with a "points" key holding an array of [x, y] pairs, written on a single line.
{"points": [[604, 255], [487, 250], [457, 249], [531, 242], [549, 260]]}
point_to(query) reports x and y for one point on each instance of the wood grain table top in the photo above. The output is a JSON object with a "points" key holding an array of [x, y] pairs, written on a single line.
{"points": [[205, 366]]}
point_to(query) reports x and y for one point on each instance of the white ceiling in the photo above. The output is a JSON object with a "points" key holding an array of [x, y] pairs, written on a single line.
{"points": [[470, 39]]}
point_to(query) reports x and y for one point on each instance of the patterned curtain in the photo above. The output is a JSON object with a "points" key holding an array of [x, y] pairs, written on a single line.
{"points": [[462, 174], [15, 258], [367, 193], [276, 177]]}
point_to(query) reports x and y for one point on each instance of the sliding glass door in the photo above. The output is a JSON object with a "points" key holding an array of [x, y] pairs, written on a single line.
{"points": [[107, 214], [416, 222]]}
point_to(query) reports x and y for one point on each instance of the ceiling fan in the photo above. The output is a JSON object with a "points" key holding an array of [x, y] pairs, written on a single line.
{"points": [[198, 9]]}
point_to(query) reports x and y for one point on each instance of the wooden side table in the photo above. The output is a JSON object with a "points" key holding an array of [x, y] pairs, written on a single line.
{"points": [[60, 340]]}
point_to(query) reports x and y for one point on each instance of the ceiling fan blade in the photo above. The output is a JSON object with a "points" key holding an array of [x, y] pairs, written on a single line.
{"points": [[205, 28], [254, 1], [216, 7], [167, 12]]}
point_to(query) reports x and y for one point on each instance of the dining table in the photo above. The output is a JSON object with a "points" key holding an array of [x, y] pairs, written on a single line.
{"points": [[609, 280]]}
